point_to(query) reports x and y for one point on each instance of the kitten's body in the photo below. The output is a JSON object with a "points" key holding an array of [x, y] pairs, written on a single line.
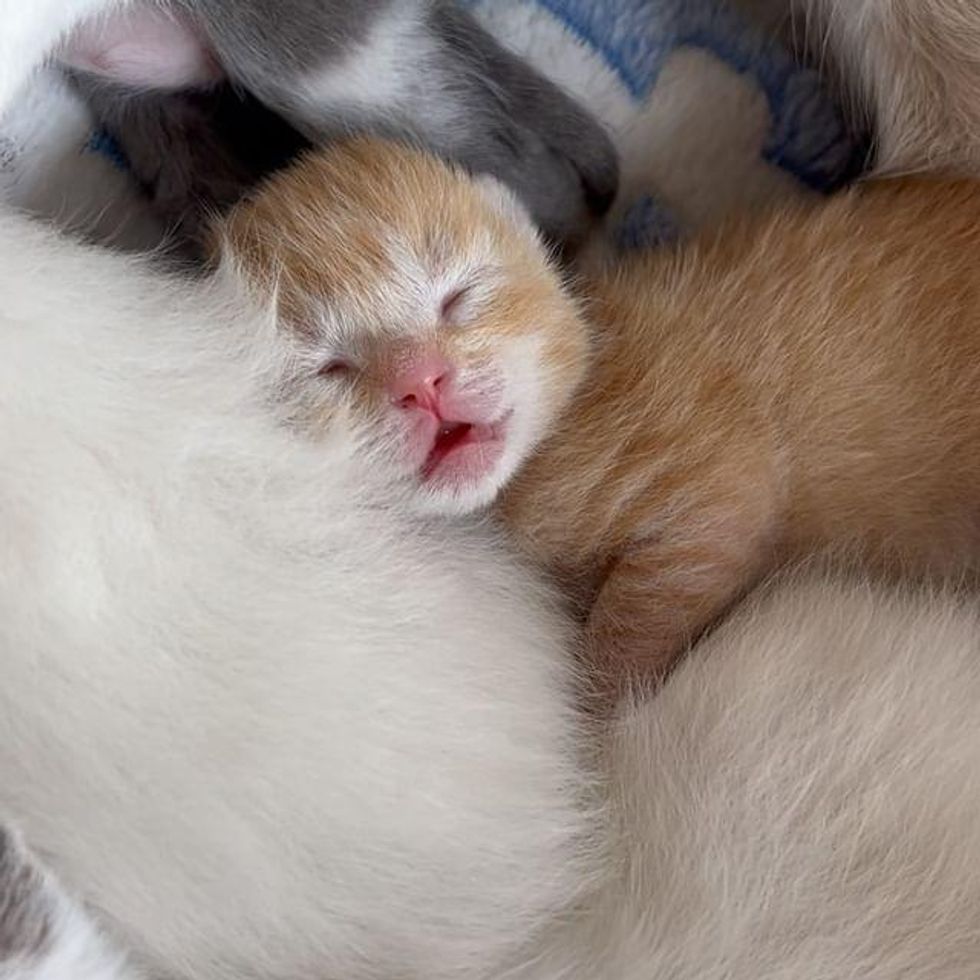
{"points": [[261, 720], [801, 381], [707, 885], [800, 801]]}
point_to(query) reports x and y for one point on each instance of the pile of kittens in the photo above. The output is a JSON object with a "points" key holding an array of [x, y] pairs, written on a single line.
{"points": [[659, 436], [659, 433]]}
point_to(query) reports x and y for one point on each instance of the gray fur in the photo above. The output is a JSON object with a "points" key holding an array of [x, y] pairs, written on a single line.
{"points": [[46, 934], [505, 119], [26, 911], [193, 152], [470, 101], [265, 43]]}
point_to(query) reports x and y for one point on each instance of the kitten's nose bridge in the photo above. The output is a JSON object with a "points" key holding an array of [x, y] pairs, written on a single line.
{"points": [[418, 379]]}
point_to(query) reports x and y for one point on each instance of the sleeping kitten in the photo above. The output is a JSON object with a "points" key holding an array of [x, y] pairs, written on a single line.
{"points": [[262, 720], [156, 76], [800, 801], [804, 381]]}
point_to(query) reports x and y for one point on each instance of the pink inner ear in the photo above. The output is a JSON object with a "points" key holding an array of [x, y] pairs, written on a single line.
{"points": [[143, 46]]}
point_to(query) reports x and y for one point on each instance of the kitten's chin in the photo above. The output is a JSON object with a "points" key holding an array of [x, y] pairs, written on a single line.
{"points": [[465, 466], [467, 482]]}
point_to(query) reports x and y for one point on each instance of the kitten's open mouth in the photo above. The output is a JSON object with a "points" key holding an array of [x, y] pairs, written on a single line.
{"points": [[464, 452]]}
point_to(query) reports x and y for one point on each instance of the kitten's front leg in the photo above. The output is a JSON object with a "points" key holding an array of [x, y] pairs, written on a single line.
{"points": [[661, 593]]}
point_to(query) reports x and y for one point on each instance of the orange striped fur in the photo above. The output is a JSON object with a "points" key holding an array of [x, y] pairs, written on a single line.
{"points": [[805, 381]]}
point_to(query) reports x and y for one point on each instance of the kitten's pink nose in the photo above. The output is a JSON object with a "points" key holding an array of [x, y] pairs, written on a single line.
{"points": [[420, 383]]}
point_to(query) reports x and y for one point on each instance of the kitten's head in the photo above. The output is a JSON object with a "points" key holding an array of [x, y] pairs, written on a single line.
{"points": [[421, 308]]}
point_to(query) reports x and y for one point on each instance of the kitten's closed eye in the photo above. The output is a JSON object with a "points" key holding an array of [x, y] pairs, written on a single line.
{"points": [[336, 369], [452, 305]]}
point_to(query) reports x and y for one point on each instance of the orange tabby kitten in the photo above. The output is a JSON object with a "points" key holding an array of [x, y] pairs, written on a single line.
{"points": [[810, 379], [804, 381]]}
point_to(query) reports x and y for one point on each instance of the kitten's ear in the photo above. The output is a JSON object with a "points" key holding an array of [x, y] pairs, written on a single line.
{"points": [[143, 46], [506, 203]]}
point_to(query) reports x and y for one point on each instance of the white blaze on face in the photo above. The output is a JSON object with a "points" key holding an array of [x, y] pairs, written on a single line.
{"points": [[496, 384]]}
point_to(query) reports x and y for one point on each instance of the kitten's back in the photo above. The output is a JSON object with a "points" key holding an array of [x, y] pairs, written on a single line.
{"points": [[259, 719], [800, 800], [856, 328], [828, 350]]}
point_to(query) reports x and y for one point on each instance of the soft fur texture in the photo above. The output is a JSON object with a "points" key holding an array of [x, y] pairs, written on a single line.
{"points": [[824, 713], [708, 113], [801, 801], [803, 381], [258, 719], [376, 259], [913, 68], [263, 722]]}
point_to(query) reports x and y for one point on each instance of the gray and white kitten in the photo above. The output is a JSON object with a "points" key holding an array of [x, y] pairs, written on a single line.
{"points": [[166, 80]]}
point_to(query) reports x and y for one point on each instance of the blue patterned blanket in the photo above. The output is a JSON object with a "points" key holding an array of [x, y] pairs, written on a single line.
{"points": [[688, 88]]}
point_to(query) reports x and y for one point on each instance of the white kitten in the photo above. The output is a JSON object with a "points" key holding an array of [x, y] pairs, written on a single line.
{"points": [[800, 802], [261, 721]]}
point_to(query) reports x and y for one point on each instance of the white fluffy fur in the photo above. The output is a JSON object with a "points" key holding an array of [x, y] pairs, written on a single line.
{"points": [[30, 33], [801, 802], [259, 720], [264, 724]]}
